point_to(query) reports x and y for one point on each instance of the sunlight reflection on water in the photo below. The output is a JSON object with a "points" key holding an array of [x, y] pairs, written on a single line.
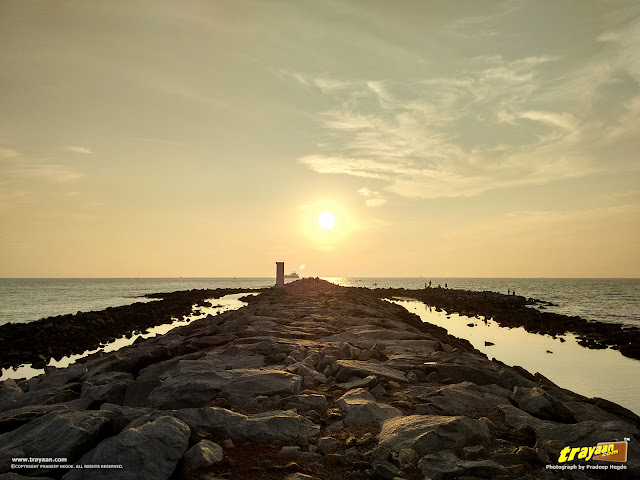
{"points": [[592, 373]]}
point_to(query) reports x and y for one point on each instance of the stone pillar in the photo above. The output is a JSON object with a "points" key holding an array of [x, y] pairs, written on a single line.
{"points": [[279, 274]]}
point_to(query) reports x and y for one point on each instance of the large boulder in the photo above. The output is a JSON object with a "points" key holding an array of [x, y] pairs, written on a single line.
{"points": [[106, 387], [585, 433], [47, 396], [542, 405], [360, 407], [212, 422], [306, 402], [196, 383], [365, 368], [121, 416], [277, 426], [59, 378], [480, 373], [148, 451], [429, 433], [65, 434], [151, 377], [464, 398], [445, 464], [14, 418], [242, 385], [201, 456], [10, 391]]}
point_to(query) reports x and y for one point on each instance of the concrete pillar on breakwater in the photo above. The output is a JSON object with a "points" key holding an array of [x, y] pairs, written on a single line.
{"points": [[279, 274]]}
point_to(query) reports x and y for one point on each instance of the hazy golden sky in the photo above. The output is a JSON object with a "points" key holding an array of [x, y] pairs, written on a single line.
{"points": [[204, 138]]}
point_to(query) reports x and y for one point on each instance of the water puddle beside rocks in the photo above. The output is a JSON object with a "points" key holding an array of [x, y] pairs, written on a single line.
{"points": [[219, 305], [593, 373]]}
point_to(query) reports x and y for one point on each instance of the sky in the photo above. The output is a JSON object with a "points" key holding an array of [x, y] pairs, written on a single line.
{"points": [[204, 138]]}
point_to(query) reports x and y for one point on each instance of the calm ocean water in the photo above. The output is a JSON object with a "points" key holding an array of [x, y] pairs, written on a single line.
{"points": [[27, 300]]}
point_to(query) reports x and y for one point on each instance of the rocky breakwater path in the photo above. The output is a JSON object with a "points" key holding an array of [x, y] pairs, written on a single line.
{"points": [[55, 337], [312, 381], [517, 311]]}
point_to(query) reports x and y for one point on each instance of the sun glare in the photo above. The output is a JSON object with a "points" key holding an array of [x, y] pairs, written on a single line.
{"points": [[326, 220]]}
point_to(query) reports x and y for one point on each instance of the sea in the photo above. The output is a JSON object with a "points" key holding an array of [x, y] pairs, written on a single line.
{"points": [[28, 299], [594, 373]]}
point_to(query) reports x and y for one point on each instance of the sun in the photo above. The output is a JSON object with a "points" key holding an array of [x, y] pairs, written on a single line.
{"points": [[326, 220]]}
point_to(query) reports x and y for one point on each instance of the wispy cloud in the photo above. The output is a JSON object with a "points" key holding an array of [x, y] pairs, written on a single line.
{"points": [[8, 153], [50, 172], [479, 26], [499, 123], [321, 82], [627, 125], [424, 138], [372, 198], [18, 167], [79, 149]]}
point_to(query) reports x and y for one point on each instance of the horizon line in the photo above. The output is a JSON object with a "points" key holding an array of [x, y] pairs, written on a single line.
{"points": [[321, 276]]}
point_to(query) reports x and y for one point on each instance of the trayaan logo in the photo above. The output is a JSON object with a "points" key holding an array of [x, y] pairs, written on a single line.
{"points": [[604, 452]]}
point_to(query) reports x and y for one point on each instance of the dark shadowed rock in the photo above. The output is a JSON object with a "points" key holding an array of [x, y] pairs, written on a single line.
{"points": [[369, 381], [15, 476], [481, 373], [201, 456], [10, 391], [14, 418], [306, 402], [61, 377], [49, 396], [298, 476], [464, 398], [121, 416], [542, 405], [328, 445], [445, 464], [277, 426], [57, 434], [196, 383], [364, 369], [295, 452], [584, 433], [149, 451], [360, 407], [106, 387], [383, 470], [430, 433]]}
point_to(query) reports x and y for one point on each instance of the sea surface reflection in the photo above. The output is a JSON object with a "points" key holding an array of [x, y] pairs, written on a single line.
{"points": [[592, 373]]}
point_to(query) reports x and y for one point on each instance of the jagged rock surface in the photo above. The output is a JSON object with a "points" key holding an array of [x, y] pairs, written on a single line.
{"points": [[310, 381]]}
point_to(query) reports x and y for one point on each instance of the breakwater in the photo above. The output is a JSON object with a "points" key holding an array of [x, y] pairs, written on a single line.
{"points": [[309, 381], [64, 335], [517, 311]]}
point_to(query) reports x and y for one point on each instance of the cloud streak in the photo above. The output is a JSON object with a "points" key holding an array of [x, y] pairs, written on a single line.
{"points": [[499, 123], [79, 149]]}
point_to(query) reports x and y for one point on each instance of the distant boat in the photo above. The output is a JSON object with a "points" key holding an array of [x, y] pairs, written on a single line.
{"points": [[292, 275]]}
